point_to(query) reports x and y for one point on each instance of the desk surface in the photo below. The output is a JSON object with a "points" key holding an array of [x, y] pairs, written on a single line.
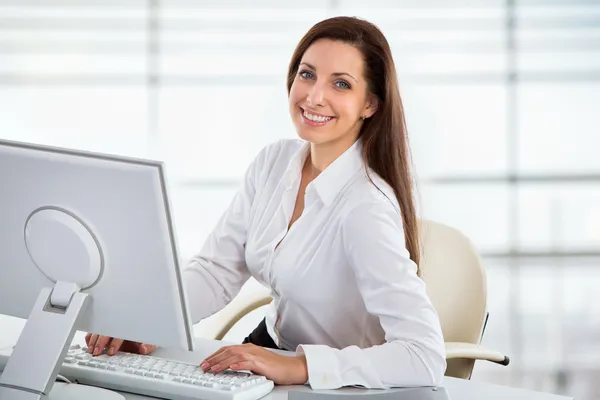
{"points": [[458, 389]]}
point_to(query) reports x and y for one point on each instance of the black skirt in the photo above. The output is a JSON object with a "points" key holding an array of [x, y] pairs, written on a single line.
{"points": [[260, 337]]}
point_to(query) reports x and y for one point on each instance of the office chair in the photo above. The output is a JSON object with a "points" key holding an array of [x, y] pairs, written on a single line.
{"points": [[456, 284]]}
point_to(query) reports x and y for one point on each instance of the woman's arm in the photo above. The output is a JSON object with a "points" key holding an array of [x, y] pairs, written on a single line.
{"points": [[216, 274], [413, 353]]}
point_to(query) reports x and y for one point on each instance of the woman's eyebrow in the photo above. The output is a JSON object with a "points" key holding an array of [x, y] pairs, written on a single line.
{"points": [[344, 73], [333, 74]]}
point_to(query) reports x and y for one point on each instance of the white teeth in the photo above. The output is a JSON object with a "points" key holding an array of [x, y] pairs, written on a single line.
{"points": [[316, 118]]}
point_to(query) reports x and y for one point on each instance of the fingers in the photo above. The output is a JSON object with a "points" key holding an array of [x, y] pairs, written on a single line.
{"points": [[114, 346], [224, 357], [101, 344], [217, 353], [142, 348], [147, 348], [92, 342], [97, 343], [249, 347], [235, 359]]}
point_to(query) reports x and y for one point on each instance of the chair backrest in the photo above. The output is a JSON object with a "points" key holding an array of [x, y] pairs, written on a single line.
{"points": [[456, 284]]}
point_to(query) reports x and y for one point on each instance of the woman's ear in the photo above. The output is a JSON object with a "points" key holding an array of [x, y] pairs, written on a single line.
{"points": [[371, 107]]}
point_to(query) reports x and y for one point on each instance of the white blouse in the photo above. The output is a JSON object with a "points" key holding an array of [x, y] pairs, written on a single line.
{"points": [[345, 292]]}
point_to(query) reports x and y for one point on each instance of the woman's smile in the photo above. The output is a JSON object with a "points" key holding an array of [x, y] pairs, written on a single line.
{"points": [[314, 119]]}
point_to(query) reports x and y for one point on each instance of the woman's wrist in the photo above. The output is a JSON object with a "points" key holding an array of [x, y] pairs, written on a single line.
{"points": [[302, 369]]}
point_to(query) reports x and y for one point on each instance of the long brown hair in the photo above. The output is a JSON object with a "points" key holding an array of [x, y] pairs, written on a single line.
{"points": [[384, 137]]}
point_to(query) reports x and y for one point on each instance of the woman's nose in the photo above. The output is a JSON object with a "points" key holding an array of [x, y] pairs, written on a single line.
{"points": [[316, 95]]}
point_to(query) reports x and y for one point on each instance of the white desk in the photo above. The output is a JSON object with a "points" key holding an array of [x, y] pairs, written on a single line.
{"points": [[458, 389]]}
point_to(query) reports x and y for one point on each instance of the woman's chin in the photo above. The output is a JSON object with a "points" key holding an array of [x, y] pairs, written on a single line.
{"points": [[310, 135]]}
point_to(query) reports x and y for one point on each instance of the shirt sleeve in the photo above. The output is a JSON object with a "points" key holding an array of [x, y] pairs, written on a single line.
{"points": [[413, 353], [215, 275]]}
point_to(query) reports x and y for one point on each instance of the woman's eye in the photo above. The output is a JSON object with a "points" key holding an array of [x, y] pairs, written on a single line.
{"points": [[306, 75], [342, 85]]}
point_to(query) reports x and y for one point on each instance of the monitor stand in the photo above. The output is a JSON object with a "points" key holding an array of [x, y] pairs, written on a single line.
{"points": [[36, 359], [41, 348]]}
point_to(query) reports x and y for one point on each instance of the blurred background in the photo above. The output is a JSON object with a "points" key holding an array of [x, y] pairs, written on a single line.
{"points": [[501, 99]]}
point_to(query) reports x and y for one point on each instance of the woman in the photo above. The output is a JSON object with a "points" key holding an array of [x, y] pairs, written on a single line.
{"points": [[328, 223]]}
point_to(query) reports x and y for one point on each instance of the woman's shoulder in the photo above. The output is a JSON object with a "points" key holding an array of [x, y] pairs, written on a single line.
{"points": [[369, 192], [370, 205]]}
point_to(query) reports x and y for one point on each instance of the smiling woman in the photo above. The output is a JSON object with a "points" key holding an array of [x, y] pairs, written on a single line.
{"points": [[325, 93], [328, 224]]}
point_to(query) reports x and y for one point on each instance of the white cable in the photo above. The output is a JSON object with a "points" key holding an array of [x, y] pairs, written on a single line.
{"points": [[62, 378]]}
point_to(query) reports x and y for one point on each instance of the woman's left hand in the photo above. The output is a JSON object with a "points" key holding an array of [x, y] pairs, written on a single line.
{"points": [[282, 370]]}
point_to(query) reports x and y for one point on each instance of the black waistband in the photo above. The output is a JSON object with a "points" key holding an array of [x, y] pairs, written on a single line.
{"points": [[260, 336]]}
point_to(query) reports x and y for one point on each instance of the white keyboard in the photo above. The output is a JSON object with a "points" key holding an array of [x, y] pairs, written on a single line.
{"points": [[153, 376]]}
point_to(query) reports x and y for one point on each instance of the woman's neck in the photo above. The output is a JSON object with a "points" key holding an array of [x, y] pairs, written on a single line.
{"points": [[322, 155]]}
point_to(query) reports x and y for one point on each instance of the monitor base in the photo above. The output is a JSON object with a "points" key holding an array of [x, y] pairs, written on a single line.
{"points": [[45, 340]]}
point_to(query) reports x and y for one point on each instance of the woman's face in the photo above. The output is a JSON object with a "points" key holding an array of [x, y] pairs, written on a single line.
{"points": [[329, 93]]}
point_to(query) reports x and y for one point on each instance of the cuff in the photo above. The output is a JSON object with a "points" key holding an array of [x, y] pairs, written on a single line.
{"points": [[323, 366]]}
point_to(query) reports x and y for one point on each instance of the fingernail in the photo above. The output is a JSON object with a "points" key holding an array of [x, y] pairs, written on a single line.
{"points": [[111, 351], [97, 350], [204, 366], [215, 368], [90, 350], [143, 349]]}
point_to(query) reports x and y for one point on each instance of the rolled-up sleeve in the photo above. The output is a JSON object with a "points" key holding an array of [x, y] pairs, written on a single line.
{"points": [[413, 353]]}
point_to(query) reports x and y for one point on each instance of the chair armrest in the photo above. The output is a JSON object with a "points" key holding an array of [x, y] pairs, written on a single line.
{"points": [[236, 314], [252, 296], [474, 352]]}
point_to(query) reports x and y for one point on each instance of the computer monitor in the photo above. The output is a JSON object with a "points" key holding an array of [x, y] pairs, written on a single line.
{"points": [[86, 243]]}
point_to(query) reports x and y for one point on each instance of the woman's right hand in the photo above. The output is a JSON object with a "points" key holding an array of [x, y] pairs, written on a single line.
{"points": [[96, 345]]}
